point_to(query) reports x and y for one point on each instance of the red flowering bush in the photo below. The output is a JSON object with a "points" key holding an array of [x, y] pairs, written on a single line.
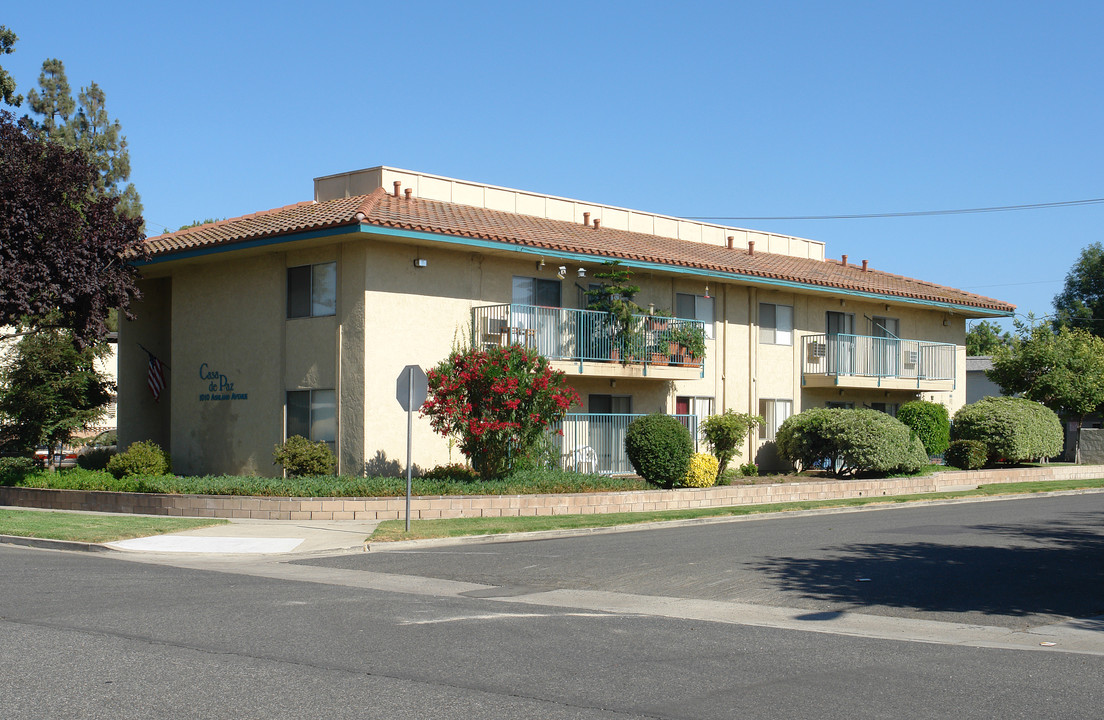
{"points": [[497, 402]]}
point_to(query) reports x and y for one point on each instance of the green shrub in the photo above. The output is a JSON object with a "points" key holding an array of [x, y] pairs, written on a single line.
{"points": [[850, 441], [702, 471], [141, 458], [726, 432], [1012, 429], [749, 469], [966, 454], [303, 458], [14, 469], [659, 448], [96, 458], [931, 423], [453, 471]]}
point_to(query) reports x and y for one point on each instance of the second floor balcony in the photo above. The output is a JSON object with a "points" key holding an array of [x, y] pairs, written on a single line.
{"points": [[590, 342], [861, 361]]}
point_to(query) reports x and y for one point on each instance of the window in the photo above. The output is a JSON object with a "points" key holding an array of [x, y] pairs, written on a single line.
{"points": [[699, 407], [313, 415], [888, 408], [775, 324], [610, 404], [312, 290], [536, 291], [774, 413], [695, 307]]}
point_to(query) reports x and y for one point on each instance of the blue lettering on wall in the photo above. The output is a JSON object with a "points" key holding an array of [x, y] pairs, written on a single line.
{"points": [[218, 385]]}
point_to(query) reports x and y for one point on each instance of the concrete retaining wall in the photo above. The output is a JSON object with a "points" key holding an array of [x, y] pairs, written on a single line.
{"points": [[454, 506]]}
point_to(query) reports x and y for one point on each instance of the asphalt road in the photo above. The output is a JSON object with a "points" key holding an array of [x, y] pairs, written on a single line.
{"points": [[1014, 563], [515, 629]]}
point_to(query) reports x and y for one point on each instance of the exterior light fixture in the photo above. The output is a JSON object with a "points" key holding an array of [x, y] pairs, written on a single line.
{"points": [[707, 291], [420, 263], [562, 273], [582, 272], [540, 265]]}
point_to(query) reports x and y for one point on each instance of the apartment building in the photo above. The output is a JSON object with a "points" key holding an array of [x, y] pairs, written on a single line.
{"points": [[300, 320]]}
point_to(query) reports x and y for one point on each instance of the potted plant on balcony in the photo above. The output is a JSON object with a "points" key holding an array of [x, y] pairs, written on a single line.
{"points": [[614, 296], [690, 339]]}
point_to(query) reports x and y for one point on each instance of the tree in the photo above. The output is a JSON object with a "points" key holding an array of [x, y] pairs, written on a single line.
{"points": [[1063, 370], [1081, 302], [7, 82], [64, 250], [88, 128], [50, 388], [497, 402], [985, 337], [724, 433]]}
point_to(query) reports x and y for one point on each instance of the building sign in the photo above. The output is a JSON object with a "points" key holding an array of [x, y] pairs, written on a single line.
{"points": [[219, 387]]}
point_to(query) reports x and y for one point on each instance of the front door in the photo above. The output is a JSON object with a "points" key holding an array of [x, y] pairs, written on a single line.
{"points": [[609, 418], [887, 350], [841, 343]]}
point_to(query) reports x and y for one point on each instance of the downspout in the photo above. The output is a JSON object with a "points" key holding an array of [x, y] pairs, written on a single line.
{"points": [[724, 348], [753, 322]]}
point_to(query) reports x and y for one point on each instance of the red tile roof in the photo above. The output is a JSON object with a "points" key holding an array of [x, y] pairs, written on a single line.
{"points": [[463, 221]]}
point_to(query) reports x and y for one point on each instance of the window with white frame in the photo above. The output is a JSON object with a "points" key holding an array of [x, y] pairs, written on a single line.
{"points": [[312, 290], [887, 408], [699, 407], [775, 324], [695, 307], [312, 414], [774, 412]]}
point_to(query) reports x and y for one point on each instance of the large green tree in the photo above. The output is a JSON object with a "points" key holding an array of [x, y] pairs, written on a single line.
{"points": [[985, 337], [50, 388], [1081, 302], [87, 127], [1062, 369], [7, 82]]}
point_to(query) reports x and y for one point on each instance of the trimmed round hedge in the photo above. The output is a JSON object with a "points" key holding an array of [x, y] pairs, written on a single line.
{"points": [[930, 421], [702, 472], [850, 441], [1012, 429], [966, 454], [659, 448]]}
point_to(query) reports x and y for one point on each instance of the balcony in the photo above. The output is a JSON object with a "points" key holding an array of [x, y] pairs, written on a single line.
{"points": [[585, 342], [860, 361], [595, 442]]}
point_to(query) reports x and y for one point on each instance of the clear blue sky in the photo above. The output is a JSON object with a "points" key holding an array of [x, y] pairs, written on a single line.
{"points": [[688, 109]]}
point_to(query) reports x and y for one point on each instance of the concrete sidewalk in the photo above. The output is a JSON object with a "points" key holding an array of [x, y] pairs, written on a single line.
{"points": [[259, 537], [238, 537]]}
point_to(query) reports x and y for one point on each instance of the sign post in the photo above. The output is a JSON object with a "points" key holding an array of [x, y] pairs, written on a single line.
{"points": [[411, 390]]}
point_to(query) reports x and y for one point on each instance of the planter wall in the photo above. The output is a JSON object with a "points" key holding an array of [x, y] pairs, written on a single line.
{"points": [[452, 506]]}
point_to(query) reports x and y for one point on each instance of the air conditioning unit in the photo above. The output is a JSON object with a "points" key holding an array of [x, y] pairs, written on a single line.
{"points": [[910, 358], [814, 351]]}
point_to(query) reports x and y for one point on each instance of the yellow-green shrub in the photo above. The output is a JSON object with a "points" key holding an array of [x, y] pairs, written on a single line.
{"points": [[702, 472]]}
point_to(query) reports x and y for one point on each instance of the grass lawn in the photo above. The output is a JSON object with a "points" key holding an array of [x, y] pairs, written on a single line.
{"points": [[392, 530], [92, 528]]}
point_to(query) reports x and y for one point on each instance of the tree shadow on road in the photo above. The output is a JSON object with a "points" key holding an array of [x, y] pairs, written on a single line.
{"points": [[1056, 570]]}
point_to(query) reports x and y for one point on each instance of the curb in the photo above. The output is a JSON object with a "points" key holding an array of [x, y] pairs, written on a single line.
{"points": [[48, 544]]}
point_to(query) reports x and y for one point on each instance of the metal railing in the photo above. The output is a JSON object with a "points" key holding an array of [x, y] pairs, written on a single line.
{"points": [[585, 335], [880, 357], [595, 442]]}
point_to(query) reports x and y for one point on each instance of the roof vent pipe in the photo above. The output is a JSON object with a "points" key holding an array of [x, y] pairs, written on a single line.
{"points": [[844, 261], [408, 192], [865, 265], [586, 218], [751, 247], [597, 223], [398, 184], [730, 240]]}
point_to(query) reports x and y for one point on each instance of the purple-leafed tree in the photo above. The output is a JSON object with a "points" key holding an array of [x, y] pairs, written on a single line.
{"points": [[65, 253]]}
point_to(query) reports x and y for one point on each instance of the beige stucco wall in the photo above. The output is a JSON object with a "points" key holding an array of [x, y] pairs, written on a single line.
{"points": [[140, 417], [228, 357]]}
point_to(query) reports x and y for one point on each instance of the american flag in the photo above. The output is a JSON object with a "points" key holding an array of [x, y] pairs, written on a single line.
{"points": [[156, 377]]}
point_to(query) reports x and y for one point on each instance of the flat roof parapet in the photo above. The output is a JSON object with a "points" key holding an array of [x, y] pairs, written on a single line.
{"points": [[523, 202]]}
